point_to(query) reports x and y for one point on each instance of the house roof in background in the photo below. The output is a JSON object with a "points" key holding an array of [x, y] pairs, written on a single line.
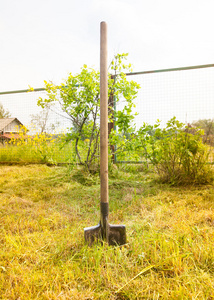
{"points": [[9, 136], [5, 122]]}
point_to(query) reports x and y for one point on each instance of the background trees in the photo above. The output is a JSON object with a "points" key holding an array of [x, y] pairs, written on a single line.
{"points": [[41, 121], [4, 113], [208, 127]]}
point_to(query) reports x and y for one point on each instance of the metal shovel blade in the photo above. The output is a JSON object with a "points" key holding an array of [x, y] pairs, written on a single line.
{"points": [[92, 234], [115, 234]]}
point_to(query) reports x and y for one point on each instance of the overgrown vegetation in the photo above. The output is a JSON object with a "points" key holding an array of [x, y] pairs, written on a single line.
{"points": [[43, 210], [36, 148], [177, 152]]}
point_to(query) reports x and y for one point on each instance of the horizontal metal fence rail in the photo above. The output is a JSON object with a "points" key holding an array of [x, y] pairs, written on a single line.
{"points": [[171, 70], [22, 91]]}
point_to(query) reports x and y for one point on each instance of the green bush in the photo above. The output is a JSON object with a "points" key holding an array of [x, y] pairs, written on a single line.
{"points": [[177, 152]]}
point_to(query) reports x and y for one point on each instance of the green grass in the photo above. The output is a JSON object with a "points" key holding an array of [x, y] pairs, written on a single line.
{"points": [[45, 152], [41, 150], [43, 211]]}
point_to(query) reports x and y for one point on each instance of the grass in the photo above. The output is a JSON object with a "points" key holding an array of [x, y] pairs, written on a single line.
{"points": [[41, 149], [42, 153], [43, 210]]}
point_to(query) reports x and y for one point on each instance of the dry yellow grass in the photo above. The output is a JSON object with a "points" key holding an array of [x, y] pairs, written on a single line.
{"points": [[43, 210]]}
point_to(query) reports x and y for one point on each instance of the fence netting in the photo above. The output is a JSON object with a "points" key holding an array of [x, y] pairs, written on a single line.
{"points": [[186, 94]]}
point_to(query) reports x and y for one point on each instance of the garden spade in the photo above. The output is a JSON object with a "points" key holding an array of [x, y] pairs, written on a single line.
{"points": [[112, 234]]}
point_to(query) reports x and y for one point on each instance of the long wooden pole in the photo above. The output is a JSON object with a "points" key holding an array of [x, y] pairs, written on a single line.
{"points": [[103, 115]]}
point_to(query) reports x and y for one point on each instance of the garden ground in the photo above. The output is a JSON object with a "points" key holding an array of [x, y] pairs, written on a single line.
{"points": [[43, 211]]}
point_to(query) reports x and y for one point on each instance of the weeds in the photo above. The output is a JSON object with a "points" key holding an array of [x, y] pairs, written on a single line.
{"points": [[37, 148]]}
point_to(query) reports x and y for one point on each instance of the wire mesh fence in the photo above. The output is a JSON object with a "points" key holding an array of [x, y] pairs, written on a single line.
{"points": [[186, 93], [23, 106]]}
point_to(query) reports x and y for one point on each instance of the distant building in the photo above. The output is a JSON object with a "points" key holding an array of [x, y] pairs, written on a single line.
{"points": [[10, 128]]}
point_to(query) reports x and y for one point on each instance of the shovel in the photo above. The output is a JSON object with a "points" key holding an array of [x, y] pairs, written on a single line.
{"points": [[112, 234]]}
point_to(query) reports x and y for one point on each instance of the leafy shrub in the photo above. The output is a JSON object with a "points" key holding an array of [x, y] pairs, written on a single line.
{"points": [[177, 152]]}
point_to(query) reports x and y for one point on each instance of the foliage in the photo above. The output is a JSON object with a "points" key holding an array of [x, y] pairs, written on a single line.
{"points": [[4, 113], [208, 126], [79, 97], [170, 237], [177, 152]]}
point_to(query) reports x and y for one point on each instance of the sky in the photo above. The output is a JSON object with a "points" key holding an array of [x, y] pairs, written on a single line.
{"points": [[47, 39]]}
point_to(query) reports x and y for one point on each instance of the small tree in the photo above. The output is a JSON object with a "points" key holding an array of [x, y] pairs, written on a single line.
{"points": [[79, 98], [4, 113]]}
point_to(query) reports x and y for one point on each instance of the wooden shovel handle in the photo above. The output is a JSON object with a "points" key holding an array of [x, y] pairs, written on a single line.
{"points": [[103, 114]]}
